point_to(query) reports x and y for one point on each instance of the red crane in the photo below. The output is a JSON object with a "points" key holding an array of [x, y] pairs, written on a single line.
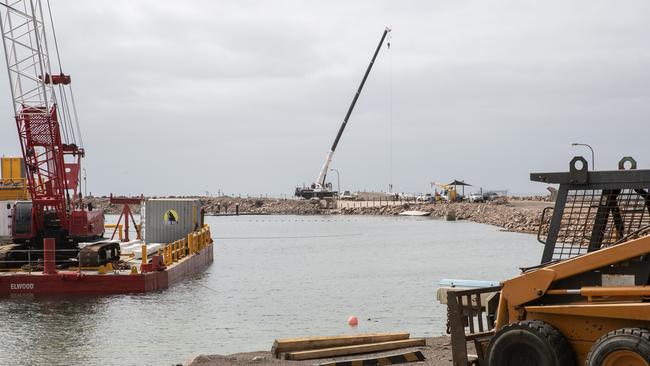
{"points": [[48, 131]]}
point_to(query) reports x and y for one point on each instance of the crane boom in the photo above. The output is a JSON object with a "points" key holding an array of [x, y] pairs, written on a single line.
{"points": [[52, 157], [319, 184]]}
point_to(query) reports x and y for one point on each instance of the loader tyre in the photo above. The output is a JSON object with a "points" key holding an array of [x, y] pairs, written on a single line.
{"points": [[621, 347], [531, 343]]}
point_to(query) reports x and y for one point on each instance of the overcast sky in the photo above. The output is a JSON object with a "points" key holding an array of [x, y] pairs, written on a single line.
{"points": [[246, 97]]}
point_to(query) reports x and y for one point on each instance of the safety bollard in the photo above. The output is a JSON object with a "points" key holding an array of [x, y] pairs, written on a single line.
{"points": [[49, 256], [144, 253]]}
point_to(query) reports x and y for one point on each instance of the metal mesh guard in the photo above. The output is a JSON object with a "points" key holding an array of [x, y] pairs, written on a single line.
{"points": [[595, 218]]}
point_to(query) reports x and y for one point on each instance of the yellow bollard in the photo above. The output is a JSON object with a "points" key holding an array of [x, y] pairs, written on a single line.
{"points": [[144, 253], [109, 267], [134, 270], [175, 249], [101, 270]]}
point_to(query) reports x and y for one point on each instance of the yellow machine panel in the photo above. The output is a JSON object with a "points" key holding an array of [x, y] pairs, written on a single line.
{"points": [[12, 179]]}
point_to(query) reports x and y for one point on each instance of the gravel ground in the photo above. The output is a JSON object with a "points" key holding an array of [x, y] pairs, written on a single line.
{"points": [[437, 353]]}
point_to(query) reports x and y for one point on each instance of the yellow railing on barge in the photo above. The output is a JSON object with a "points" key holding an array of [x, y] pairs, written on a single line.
{"points": [[195, 242]]}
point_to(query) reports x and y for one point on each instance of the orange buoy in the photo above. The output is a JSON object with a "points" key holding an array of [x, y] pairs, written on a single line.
{"points": [[353, 321]]}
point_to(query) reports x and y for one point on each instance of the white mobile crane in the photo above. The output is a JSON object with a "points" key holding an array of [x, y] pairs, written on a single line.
{"points": [[321, 189]]}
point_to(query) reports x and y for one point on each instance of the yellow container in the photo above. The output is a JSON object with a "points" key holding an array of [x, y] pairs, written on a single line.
{"points": [[12, 168], [13, 184]]}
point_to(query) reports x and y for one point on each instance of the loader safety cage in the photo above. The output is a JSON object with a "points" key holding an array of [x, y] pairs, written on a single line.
{"points": [[593, 210]]}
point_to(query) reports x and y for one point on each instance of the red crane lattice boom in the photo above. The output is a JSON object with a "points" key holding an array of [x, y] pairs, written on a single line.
{"points": [[47, 135]]}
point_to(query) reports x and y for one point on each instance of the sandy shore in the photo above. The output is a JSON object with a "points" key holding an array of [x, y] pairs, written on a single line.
{"points": [[437, 353]]}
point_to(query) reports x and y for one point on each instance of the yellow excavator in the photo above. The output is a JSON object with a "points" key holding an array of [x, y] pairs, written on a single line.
{"points": [[448, 192], [587, 302]]}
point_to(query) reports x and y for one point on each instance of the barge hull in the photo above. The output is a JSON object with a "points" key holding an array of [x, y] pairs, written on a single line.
{"points": [[74, 283]]}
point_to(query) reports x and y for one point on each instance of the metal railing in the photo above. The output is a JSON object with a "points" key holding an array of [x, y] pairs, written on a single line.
{"points": [[34, 260]]}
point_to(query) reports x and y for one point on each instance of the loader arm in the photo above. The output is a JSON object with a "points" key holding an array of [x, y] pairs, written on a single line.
{"points": [[530, 286]]}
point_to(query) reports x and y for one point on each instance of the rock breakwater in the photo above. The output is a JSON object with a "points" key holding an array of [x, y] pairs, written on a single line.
{"points": [[514, 215]]}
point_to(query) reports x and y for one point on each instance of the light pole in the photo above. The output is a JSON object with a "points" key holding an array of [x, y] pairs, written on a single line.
{"points": [[338, 180], [593, 167]]}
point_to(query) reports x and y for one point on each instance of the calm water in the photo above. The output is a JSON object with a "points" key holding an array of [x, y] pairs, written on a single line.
{"points": [[273, 276]]}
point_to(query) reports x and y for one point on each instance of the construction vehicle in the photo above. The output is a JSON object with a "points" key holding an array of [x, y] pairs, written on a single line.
{"points": [[320, 189], [586, 303], [48, 131], [447, 192]]}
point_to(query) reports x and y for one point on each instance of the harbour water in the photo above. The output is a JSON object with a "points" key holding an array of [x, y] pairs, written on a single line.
{"points": [[273, 276]]}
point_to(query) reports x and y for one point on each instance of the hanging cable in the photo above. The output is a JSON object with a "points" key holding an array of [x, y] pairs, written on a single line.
{"points": [[390, 114], [76, 118], [74, 131], [56, 43]]}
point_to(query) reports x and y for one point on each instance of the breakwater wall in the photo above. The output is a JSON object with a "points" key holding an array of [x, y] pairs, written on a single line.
{"points": [[519, 215]]}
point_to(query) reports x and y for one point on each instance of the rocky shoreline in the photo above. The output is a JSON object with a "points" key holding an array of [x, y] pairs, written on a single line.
{"points": [[517, 215]]}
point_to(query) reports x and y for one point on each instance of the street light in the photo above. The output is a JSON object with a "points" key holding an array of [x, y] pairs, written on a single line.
{"points": [[338, 180], [593, 167]]}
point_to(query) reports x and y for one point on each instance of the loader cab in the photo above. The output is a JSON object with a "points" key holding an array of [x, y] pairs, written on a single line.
{"points": [[593, 209]]}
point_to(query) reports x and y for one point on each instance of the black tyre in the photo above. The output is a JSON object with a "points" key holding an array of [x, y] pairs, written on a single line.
{"points": [[622, 347], [530, 343]]}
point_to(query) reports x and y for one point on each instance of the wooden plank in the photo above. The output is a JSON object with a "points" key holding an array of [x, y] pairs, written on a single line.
{"points": [[415, 356], [353, 350], [309, 343]]}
